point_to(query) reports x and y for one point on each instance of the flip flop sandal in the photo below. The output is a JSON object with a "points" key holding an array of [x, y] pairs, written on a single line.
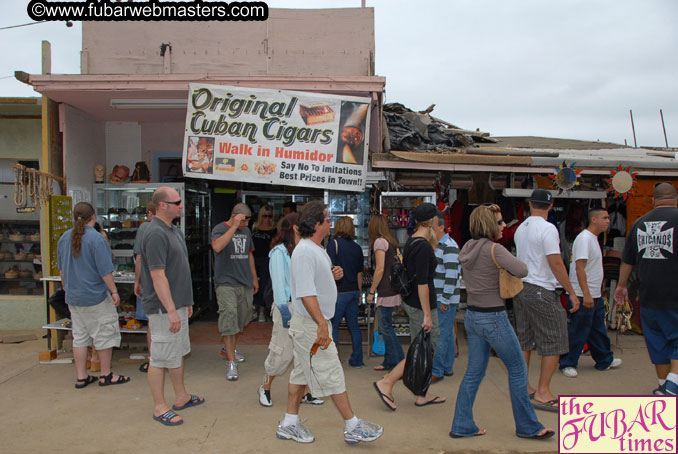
{"points": [[433, 401], [544, 436], [477, 434], [166, 419], [108, 380], [82, 382], [144, 367], [546, 406], [379, 367], [192, 402], [385, 398]]}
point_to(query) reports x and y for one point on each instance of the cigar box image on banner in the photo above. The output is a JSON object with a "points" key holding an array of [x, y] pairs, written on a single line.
{"points": [[351, 146], [315, 113]]}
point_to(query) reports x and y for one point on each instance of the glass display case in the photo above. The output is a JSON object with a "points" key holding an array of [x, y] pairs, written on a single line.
{"points": [[398, 206], [121, 209], [355, 205], [20, 261]]}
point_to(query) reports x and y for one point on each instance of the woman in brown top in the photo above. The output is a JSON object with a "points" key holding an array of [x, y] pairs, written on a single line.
{"points": [[488, 326]]}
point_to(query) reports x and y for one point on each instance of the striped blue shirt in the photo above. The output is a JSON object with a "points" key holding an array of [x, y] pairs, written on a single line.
{"points": [[446, 278]]}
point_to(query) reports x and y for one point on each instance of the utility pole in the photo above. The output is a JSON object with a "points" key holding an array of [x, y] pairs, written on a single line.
{"points": [[661, 114], [633, 128]]}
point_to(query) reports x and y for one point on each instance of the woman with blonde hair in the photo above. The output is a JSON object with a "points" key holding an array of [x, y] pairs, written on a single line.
{"points": [[421, 305], [487, 326], [384, 247], [263, 232], [346, 253]]}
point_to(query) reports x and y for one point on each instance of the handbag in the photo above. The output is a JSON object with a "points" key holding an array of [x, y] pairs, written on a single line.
{"points": [[509, 285]]}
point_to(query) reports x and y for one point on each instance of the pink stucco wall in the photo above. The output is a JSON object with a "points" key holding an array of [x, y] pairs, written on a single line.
{"points": [[305, 42]]}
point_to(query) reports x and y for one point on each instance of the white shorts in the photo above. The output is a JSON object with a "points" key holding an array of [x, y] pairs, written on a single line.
{"points": [[168, 349], [280, 349], [323, 374], [96, 325]]}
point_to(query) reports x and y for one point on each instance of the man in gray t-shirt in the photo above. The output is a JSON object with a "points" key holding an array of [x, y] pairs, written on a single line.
{"points": [[236, 281], [168, 302]]}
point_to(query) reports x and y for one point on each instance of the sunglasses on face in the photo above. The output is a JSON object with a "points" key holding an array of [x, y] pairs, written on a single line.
{"points": [[173, 202], [266, 215], [501, 222]]}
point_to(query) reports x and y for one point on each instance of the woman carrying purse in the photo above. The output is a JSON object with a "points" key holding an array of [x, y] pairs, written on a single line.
{"points": [[487, 326], [384, 246]]}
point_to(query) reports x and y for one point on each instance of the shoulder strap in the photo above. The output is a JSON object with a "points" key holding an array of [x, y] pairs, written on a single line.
{"points": [[493, 258]]}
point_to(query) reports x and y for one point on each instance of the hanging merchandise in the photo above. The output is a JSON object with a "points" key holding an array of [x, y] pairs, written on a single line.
{"points": [[566, 177], [622, 182], [31, 187]]}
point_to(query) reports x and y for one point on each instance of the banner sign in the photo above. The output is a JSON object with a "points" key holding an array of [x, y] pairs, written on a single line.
{"points": [[276, 137]]}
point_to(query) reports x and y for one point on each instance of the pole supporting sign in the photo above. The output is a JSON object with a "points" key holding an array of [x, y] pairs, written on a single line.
{"points": [[276, 137]]}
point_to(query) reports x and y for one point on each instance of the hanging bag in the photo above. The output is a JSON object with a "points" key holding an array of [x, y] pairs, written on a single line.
{"points": [[400, 282], [509, 285], [419, 364]]}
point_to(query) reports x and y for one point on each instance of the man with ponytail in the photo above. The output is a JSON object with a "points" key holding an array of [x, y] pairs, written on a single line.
{"points": [[86, 269]]}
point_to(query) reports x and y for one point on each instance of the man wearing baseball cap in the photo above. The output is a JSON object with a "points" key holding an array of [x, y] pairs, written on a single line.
{"points": [[541, 321]]}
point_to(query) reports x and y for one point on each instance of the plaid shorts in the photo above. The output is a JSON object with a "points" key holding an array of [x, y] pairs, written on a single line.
{"points": [[541, 321]]}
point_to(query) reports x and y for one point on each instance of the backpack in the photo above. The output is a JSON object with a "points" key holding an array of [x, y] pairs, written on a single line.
{"points": [[400, 282]]}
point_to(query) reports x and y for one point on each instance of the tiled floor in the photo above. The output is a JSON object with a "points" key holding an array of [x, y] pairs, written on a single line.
{"points": [[207, 333]]}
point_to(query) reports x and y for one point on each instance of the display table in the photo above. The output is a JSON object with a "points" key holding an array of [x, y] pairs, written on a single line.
{"points": [[118, 278]]}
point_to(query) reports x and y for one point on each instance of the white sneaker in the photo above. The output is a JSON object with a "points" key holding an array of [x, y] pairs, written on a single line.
{"points": [[232, 371], [309, 399], [265, 397], [239, 356], [569, 372], [616, 362], [298, 433], [364, 431]]}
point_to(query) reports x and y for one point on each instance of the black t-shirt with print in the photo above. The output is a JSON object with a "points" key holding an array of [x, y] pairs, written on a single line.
{"points": [[650, 249], [420, 264]]}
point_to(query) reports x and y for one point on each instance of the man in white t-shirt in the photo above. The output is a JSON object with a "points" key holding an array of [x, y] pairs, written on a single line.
{"points": [[541, 321], [586, 276], [316, 360]]}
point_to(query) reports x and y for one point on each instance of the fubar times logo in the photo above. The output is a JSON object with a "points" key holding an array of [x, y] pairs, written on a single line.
{"points": [[617, 424]]}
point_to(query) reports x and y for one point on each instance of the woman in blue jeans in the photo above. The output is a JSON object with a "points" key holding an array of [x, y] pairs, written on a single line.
{"points": [[384, 246], [346, 253], [487, 326]]}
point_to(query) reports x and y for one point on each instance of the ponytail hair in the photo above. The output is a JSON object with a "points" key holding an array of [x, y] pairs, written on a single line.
{"points": [[82, 213]]}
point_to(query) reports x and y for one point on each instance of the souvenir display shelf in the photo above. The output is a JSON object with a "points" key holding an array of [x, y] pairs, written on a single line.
{"points": [[397, 206], [20, 260]]}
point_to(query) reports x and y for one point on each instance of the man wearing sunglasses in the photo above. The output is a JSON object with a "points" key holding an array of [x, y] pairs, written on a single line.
{"points": [[235, 278], [650, 249], [167, 300]]}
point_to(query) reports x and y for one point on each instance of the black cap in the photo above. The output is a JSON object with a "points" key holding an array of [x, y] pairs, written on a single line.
{"points": [[425, 211], [541, 196]]}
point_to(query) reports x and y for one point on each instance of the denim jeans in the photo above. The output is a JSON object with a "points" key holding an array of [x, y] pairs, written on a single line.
{"points": [[588, 325], [347, 306], [394, 351], [485, 330], [443, 361]]}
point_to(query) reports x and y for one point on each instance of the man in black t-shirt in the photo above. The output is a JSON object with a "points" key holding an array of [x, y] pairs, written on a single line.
{"points": [[650, 248]]}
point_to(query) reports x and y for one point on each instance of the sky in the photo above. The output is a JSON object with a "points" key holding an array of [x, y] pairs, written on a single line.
{"points": [[558, 68]]}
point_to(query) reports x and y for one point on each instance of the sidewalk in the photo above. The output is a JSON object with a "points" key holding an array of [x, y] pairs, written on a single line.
{"points": [[42, 412]]}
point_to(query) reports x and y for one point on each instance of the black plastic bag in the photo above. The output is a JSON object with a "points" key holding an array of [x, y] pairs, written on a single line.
{"points": [[419, 364]]}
